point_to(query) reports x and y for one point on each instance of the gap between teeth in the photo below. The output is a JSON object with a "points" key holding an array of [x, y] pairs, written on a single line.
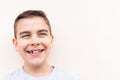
{"points": [[35, 52]]}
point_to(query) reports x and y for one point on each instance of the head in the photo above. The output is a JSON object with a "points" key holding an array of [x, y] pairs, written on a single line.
{"points": [[30, 14], [33, 37]]}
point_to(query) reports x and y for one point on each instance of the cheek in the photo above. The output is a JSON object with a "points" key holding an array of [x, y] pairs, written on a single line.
{"points": [[21, 45], [47, 43]]}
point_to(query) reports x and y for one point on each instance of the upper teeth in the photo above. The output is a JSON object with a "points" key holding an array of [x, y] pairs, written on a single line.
{"points": [[35, 51]]}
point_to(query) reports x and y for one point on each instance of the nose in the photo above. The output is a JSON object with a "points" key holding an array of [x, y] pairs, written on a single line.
{"points": [[35, 41]]}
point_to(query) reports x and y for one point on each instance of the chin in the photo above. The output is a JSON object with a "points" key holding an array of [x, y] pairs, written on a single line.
{"points": [[36, 62]]}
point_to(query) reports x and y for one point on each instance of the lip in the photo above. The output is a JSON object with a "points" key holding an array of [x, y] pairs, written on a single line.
{"points": [[35, 53]]}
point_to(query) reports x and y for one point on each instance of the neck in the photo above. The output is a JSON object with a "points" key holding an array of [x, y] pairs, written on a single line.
{"points": [[37, 71]]}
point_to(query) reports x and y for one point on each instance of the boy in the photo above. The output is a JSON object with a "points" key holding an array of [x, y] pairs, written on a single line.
{"points": [[33, 40]]}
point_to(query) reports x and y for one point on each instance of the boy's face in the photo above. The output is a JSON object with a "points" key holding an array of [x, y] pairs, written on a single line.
{"points": [[33, 40]]}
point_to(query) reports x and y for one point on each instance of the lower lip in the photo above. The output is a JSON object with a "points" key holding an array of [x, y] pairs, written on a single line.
{"points": [[35, 54]]}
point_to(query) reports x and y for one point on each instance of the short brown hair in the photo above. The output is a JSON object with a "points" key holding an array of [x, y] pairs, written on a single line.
{"points": [[29, 14]]}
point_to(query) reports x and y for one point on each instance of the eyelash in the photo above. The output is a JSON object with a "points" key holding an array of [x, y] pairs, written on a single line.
{"points": [[25, 36], [42, 34]]}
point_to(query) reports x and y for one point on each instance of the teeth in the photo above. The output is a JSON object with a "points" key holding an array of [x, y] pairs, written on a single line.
{"points": [[35, 51]]}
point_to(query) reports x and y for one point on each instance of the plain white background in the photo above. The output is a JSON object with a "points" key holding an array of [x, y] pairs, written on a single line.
{"points": [[87, 36]]}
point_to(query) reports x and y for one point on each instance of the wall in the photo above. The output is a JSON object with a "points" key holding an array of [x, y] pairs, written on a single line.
{"points": [[87, 36]]}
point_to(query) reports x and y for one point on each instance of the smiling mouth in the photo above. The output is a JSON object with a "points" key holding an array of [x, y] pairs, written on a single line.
{"points": [[35, 51]]}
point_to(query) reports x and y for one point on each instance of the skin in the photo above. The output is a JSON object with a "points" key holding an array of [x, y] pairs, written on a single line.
{"points": [[33, 43]]}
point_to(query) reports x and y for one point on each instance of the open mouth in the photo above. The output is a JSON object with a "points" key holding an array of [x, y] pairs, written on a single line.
{"points": [[35, 52]]}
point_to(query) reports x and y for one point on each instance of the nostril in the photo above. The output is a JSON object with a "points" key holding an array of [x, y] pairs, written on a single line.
{"points": [[35, 43]]}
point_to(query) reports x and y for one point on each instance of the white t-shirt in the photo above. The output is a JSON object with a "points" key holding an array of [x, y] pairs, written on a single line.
{"points": [[56, 74]]}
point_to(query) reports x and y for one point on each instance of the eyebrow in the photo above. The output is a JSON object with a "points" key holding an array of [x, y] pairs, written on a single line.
{"points": [[43, 30]]}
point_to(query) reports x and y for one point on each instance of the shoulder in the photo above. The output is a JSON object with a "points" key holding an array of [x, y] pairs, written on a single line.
{"points": [[66, 75]]}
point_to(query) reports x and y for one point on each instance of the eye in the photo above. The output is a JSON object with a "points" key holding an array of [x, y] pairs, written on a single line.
{"points": [[42, 34], [25, 36]]}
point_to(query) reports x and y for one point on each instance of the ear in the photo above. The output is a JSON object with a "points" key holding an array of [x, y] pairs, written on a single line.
{"points": [[52, 39], [14, 41]]}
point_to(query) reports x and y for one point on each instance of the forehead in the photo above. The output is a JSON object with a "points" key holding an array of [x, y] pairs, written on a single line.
{"points": [[34, 23]]}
